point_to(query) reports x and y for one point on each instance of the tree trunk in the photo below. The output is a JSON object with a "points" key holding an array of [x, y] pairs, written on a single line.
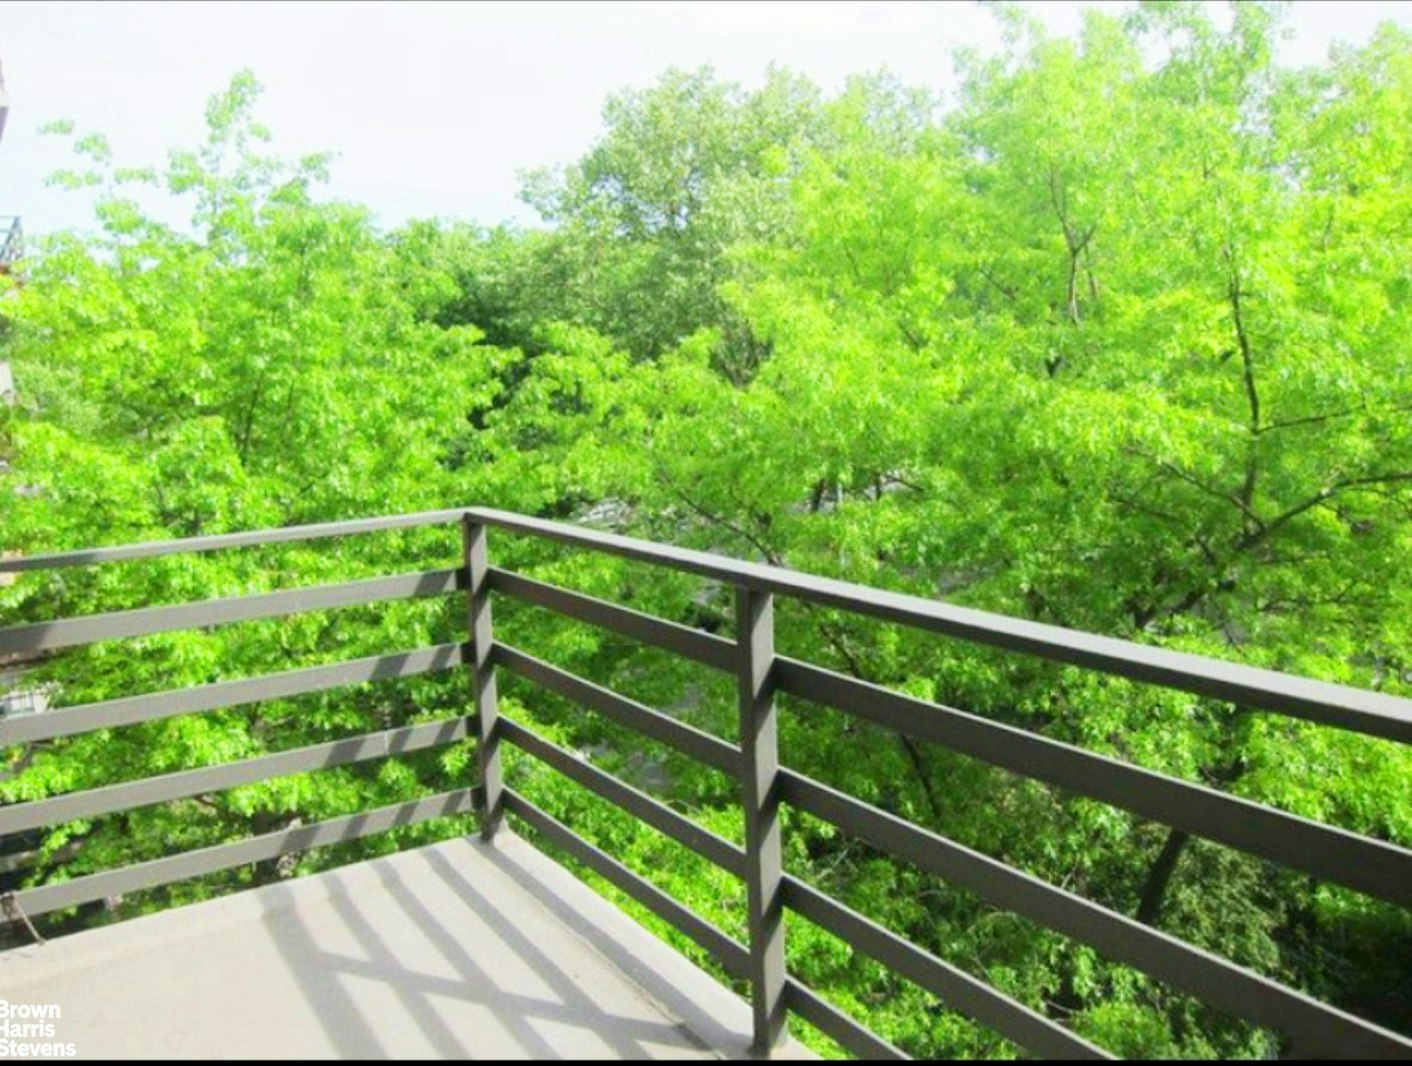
{"points": [[1159, 877]]}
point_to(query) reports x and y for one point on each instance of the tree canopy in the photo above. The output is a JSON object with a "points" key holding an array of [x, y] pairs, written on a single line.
{"points": [[1118, 339]]}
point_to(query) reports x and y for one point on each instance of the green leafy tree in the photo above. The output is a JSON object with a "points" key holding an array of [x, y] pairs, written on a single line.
{"points": [[268, 364], [1117, 342]]}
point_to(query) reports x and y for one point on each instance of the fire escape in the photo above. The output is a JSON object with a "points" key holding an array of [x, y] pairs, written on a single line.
{"points": [[12, 242], [13, 698]]}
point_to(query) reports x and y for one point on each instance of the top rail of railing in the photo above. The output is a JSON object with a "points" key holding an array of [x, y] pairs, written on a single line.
{"points": [[1343, 706], [154, 549]]}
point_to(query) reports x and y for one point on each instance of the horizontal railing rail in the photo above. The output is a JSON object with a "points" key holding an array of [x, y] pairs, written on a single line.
{"points": [[1371, 866], [729, 953], [48, 637], [704, 747], [255, 538], [694, 644], [949, 984], [147, 791], [1375, 867], [1215, 980], [93, 887], [729, 857], [802, 1000], [118, 625], [127, 710], [1354, 709]]}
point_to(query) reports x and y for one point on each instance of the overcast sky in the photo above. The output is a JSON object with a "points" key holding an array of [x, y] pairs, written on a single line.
{"points": [[433, 108]]}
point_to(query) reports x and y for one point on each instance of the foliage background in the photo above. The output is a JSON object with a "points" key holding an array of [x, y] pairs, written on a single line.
{"points": [[1118, 341]]}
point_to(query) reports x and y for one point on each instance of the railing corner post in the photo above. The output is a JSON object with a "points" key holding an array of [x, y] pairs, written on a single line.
{"points": [[483, 675], [759, 742]]}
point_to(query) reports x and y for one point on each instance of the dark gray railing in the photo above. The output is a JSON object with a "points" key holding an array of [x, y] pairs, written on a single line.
{"points": [[1311, 1027]]}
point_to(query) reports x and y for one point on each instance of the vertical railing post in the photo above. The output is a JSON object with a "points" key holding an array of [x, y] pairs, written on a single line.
{"points": [[759, 743], [483, 674]]}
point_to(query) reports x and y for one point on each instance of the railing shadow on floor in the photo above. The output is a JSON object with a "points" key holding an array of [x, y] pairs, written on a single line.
{"points": [[526, 1004]]}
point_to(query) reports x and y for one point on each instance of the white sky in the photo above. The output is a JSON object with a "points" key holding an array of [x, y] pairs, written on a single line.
{"points": [[434, 107]]}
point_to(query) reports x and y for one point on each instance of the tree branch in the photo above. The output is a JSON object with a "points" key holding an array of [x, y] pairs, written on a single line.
{"points": [[771, 556], [1323, 495], [1311, 420], [1247, 359], [1232, 498]]}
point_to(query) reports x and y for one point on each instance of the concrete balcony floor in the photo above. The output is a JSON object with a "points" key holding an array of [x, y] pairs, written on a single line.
{"points": [[460, 950]]}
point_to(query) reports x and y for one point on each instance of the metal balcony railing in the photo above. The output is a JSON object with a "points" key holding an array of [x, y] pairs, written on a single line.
{"points": [[12, 241], [1312, 1028]]}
